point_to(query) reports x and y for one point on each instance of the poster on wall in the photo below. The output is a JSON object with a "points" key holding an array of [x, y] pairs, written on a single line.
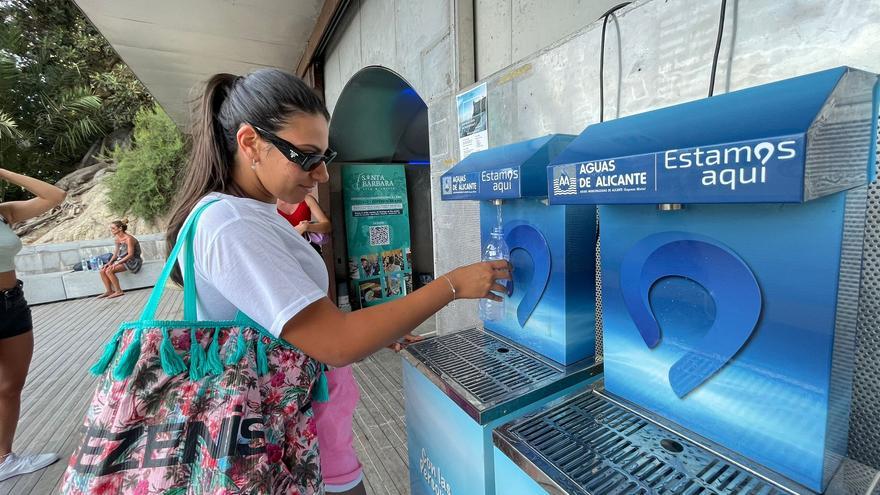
{"points": [[377, 232], [473, 120]]}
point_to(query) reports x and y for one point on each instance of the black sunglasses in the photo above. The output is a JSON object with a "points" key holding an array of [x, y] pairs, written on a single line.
{"points": [[308, 161]]}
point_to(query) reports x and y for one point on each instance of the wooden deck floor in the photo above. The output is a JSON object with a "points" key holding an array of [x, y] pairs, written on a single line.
{"points": [[69, 336]]}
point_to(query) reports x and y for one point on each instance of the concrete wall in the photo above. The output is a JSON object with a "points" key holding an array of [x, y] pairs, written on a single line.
{"points": [[658, 53], [507, 31], [417, 39], [413, 38]]}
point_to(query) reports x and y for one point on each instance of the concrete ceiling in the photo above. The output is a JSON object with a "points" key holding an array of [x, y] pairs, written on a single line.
{"points": [[174, 46]]}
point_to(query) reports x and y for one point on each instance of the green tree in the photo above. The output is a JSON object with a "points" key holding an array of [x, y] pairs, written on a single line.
{"points": [[144, 181], [62, 87]]}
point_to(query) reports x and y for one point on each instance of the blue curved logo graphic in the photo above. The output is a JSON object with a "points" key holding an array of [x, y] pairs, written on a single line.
{"points": [[721, 272], [530, 240]]}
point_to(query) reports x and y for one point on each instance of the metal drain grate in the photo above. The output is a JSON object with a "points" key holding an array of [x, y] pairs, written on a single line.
{"points": [[606, 449], [486, 367]]}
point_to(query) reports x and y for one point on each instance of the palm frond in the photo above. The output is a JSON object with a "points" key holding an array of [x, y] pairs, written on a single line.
{"points": [[77, 134], [11, 36], [71, 118], [9, 72], [8, 127]]}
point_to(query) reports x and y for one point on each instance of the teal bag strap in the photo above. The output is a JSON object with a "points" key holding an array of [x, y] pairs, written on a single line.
{"points": [[244, 320], [189, 270], [185, 236]]}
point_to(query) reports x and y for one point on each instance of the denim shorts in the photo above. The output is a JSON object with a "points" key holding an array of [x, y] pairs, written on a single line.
{"points": [[15, 315]]}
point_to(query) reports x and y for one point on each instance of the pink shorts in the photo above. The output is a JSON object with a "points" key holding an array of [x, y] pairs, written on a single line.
{"points": [[340, 467]]}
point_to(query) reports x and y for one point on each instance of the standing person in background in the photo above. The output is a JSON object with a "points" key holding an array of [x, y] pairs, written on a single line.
{"points": [[16, 325], [126, 256], [306, 217]]}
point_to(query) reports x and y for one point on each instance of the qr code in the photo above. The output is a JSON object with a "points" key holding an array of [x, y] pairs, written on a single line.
{"points": [[380, 235]]}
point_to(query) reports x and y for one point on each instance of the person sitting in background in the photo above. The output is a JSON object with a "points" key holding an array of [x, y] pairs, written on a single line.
{"points": [[127, 256], [306, 216]]}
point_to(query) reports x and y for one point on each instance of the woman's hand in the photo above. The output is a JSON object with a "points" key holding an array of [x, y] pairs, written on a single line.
{"points": [[302, 227], [321, 223], [480, 280]]}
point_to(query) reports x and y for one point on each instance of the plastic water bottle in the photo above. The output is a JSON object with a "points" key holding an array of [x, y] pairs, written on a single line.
{"points": [[496, 249], [85, 265], [100, 262]]}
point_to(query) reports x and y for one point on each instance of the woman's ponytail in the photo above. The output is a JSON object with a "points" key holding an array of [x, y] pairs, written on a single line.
{"points": [[209, 167]]}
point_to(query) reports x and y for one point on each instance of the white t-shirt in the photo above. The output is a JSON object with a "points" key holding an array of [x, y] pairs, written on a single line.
{"points": [[249, 258]]}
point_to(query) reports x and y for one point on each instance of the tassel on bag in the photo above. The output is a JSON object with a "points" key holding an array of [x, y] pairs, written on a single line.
{"points": [[172, 363], [262, 360], [129, 358], [197, 356], [322, 390], [107, 356], [240, 349], [213, 365]]}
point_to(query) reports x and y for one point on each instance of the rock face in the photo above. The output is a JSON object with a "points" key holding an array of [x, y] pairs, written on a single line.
{"points": [[85, 214]]}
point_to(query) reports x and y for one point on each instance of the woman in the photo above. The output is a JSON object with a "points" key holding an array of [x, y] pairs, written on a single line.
{"points": [[16, 326], [126, 256], [260, 138], [306, 216]]}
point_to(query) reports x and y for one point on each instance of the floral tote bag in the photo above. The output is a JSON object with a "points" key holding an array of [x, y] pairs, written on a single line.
{"points": [[198, 407]]}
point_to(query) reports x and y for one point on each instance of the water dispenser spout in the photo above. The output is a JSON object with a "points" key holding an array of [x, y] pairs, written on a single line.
{"points": [[670, 207]]}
